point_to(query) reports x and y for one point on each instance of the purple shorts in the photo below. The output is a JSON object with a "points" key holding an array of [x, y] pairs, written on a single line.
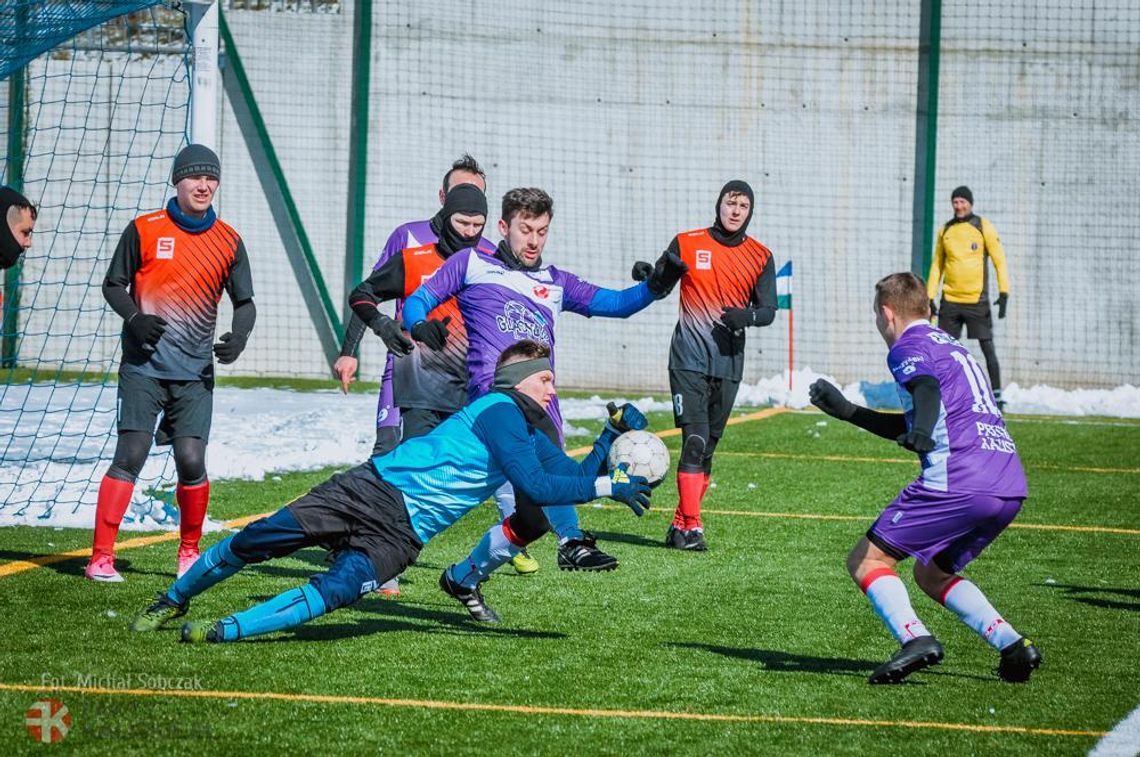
{"points": [[951, 529]]}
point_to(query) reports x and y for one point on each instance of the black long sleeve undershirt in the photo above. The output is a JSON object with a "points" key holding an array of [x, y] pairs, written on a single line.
{"points": [[927, 397]]}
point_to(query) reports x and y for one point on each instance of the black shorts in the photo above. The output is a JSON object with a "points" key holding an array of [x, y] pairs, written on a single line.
{"points": [[419, 421], [358, 510], [978, 318], [187, 407], [698, 398]]}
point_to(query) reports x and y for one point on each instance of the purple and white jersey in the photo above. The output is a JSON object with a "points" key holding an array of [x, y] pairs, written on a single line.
{"points": [[410, 234], [973, 451], [502, 306]]}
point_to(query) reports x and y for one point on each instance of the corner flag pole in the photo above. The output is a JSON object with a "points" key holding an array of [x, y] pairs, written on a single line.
{"points": [[784, 301], [791, 347]]}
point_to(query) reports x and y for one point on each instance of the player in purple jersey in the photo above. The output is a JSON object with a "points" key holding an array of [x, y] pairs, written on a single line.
{"points": [[466, 170], [971, 486], [513, 295]]}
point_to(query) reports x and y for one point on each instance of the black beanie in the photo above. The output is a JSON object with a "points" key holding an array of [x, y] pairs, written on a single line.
{"points": [[196, 160], [462, 198], [963, 192], [719, 232]]}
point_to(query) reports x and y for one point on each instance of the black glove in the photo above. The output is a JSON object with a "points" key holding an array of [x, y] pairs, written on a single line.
{"points": [[827, 397], [933, 309], [641, 270], [229, 346], [393, 336], [432, 333], [147, 329], [916, 441], [624, 418], [668, 271], [737, 318], [1001, 302]]}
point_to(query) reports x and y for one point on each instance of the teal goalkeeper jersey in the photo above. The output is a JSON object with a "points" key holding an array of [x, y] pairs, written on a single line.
{"points": [[461, 463]]}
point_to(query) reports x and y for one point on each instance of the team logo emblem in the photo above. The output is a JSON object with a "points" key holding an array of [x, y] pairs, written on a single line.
{"points": [[541, 292], [704, 260], [164, 248], [48, 721]]}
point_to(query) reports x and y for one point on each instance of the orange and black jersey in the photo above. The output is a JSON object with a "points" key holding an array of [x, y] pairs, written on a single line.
{"points": [[427, 379], [179, 276], [719, 276]]}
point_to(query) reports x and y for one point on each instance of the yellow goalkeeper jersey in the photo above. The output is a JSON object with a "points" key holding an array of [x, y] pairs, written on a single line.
{"points": [[960, 254]]}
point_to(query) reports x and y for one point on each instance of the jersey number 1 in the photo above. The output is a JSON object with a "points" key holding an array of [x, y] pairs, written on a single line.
{"points": [[979, 387]]}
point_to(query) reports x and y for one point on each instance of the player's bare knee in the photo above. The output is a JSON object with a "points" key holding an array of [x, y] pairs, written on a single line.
{"points": [[931, 579]]}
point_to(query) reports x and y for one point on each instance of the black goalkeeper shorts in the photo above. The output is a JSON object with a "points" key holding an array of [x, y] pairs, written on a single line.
{"points": [[701, 399], [187, 407], [978, 318], [358, 510]]}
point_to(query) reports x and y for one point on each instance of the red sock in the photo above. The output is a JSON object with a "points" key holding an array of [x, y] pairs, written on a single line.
{"points": [[192, 503], [690, 488], [705, 484], [114, 497]]}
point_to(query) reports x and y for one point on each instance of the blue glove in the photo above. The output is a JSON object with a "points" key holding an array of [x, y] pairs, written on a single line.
{"points": [[630, 490], [624, 418]]}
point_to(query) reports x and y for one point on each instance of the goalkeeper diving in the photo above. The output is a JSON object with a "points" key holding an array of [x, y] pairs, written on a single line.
{"points": [[377, 516]]}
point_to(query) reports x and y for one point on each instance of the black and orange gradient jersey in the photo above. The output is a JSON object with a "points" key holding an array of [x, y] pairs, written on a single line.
{"points": [[179, 276], [427, 379], [719, 276]]}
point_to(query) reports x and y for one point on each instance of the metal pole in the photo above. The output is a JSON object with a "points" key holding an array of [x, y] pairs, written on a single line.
{"points": [[9, 338], [204, 82], [357, 149], [926, 135]]}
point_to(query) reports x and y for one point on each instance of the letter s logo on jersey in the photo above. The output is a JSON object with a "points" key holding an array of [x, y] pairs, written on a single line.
{"points": [[704, 260], [541, 292], [164, 248]]}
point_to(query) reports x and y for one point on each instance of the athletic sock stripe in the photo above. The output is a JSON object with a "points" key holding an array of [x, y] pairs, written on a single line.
{"points": [[512, 537], [873, 576], [949, 587]]}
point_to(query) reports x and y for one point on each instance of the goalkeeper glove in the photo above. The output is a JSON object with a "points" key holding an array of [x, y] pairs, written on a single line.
{"points": [[641, 270], [229, 346], [147, 329], [624, 418], [1001, 301], [632, 491], [668, 271], [391, 333], [829, 399], [432, 333]]}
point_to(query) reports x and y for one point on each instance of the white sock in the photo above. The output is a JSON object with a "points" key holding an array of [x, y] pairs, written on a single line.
{"points": [[888, 596], [967, 601], [492, 551]]}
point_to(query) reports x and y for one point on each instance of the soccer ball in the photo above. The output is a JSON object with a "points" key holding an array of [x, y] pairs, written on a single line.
{"points": [[645, 454]]}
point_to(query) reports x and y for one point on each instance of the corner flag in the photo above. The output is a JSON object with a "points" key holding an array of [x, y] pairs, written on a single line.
{"points": [[784, 287]]}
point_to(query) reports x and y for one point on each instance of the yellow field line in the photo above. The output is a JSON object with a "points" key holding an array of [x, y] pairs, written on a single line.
{"points": [[429, 704], [909, 461], [869, 518], [19, 566]]}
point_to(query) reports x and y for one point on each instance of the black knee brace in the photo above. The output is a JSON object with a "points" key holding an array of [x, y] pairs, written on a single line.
{"points": [[190, 459], [130, 455], [695, 436]]}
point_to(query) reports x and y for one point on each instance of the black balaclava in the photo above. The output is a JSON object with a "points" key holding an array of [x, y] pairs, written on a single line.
{"points": [[10, 249], [463, 198], [718, 231]]}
